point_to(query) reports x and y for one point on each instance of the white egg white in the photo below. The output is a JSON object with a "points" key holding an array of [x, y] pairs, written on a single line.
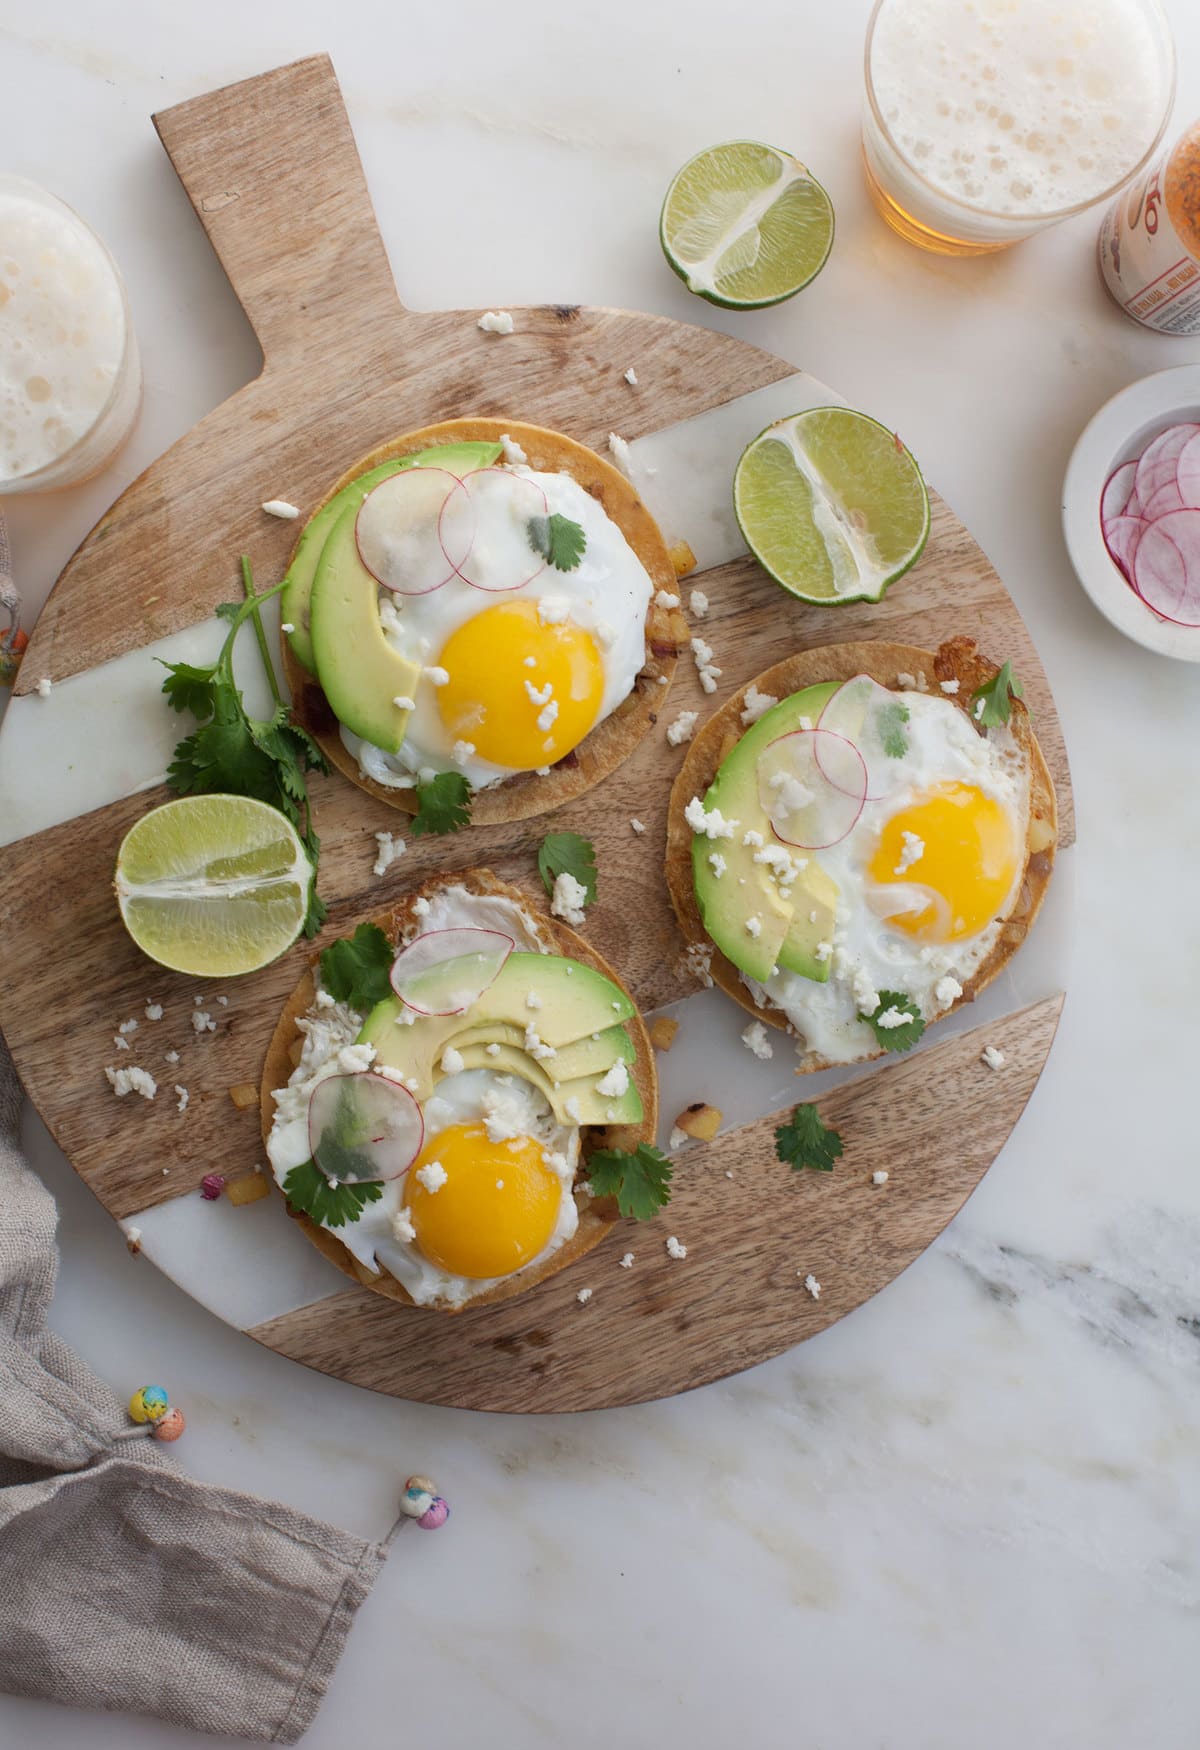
{"points": [[607, 594]]}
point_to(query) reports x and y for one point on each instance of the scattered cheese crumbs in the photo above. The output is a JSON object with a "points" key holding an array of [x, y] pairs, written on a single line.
{"points": [[181, 1105], [697, 957], [569, 898], [325, 1001], [281, 508], [711, 823], [664, 680], [615, 1083], [437, 677], [631, 377], [573, 1110], [132, 1081], [993, 1057], [513, 454], [492, 1050], [121, 1043], [539, 695], [433, 1176], [979, 709], [754, 838], [203, 1022], [949, 686], [390, 847], [353, 1059], [879, 1178], [678, 1139], [638, 827], [947, 990], [683, 728], [535, 1046], [542, 771], [913, 849], [756, 704], [755, 1040], [584, 1295], [452, 1061], [495, 322], [705, 668], [674, 1249], [907, 680], [553, 609], [461, 752], [420, 906], [754, 927], [286, 626], [403, 1230], [892, 1017], [153, 1011], [664, 599], [133, 1239], [172, 1056], [619, 450], [698, 602], [702, 652], [533, 1000], [403, 702], [43, 687], [547, 718], [127, 1027], [717, 864], [866, 997], [626, 1262], [812, 1286]]}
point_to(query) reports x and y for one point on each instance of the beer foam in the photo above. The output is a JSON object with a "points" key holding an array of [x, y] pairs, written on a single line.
{"points": [[1019, 107], [62, 332]]}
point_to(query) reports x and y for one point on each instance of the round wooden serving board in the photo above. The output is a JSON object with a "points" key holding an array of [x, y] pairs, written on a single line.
{"points": [[272, 171]]}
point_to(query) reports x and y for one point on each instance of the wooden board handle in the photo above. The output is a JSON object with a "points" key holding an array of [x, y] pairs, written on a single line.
{"points": [[271, 167]]}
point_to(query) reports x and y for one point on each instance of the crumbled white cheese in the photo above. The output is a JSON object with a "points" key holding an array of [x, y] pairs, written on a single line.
{"points": [[420, 906], [948, 989], [683, 728], [710, 823], [675, 1249], [702, 652], [756, 704], [403, 1231], [717, 864], [181, 1104], [893, 1017], [325, 1001], [129, 1026], [121, 1043], [532, 1000], [42, 689], [754, 926], [433, 1176], [811, 1285], [866, 997], [461, 752], [637, 827], [536, 1046], [495, 322], [697, 957], [993, 1057], [513, 454], [913, 849], [403, 702], [539, 695], [547, 718], [664, 599], [542, 771], [948, 686], [626, 1262], [907, 680], [390, 847], [153, 1011], [569, 898], [203, 1022], [492, 1050], [619, 450], [224, 1002], [171, 1056], [584, 1295], [755, 1040], [631, 377], [132, 1081], [879, 1178], [452, 1061], [286, 626], [133, 1237], [980, 707], [753, 837], [780, 861], [553, 609], [354, 1059], [281, 508], [698, 602], [437, 677], [678, 1139], [615, 1083]]}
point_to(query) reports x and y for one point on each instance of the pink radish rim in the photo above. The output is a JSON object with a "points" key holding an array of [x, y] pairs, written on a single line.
{"points": [[1188, 589], [826, 844], [492, 589], [495, 936], [396, 1090], [820, 725], [409, 474]]}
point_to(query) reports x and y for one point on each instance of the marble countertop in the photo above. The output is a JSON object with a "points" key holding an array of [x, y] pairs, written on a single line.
{"points": [[967, 1515]]}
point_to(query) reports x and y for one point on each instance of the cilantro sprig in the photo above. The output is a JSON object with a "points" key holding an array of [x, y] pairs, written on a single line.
{"points": [[567, 853], [263, 757], [355, 969], [889, 722], [306, 1188], [805, 1142], [640, 1181], [991, 704], [558, 540], [443, 804], [892, 1032]]}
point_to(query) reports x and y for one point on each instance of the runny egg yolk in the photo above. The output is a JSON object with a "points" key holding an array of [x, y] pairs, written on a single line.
{"points": [[496, 1209], [967, 866], [497, 699]]}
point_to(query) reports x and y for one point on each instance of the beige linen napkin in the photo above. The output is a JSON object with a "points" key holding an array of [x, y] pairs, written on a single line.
{"points": [[124, 1584]]}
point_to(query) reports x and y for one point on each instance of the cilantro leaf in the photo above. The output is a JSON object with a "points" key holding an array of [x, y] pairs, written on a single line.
{"points": [[894, 1034], [567, 853], [306, 1188], [889, 722], [189, 688], [639, 1181], [443, 805], [805, 1142], [991, 704], [560, 541], [355, 969]]}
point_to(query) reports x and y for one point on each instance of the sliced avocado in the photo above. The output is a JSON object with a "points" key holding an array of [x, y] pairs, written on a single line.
{"points": [[458, 459], [590, 1056], [789, 934], [572, 1102]]}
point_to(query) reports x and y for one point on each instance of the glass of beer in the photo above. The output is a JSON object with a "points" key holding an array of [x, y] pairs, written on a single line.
{"points": [[987, 120]]}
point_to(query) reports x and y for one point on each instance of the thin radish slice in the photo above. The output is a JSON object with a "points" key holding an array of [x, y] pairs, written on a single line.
{"points": [[1166, 567], [1156, 464], [805, 807], [874, 720], [445, 971], [1121, 537], [1187, 473], [1164, 501], [363, 1127], [495, 510], [397, 530], [1118, 488]]}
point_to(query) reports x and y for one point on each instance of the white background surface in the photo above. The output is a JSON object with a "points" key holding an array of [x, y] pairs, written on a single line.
{"points": [[967, 1516]]}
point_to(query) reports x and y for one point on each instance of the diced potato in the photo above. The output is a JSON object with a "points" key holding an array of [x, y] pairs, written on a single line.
{"points": [[662, 1033], [244, 1095], [682, 558], [1041, 834], [295, 1052], [700, 1121], [248, 1188]]}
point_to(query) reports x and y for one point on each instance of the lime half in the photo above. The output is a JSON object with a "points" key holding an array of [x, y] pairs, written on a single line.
{"points": [[832, 504], [745, 225], [213, 885]]}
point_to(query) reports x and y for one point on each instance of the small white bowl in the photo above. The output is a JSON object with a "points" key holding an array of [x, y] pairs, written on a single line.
{"points": [[1119, 433]]}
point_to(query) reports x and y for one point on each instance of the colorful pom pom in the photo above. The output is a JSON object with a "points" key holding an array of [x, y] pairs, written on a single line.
{"points": [[437, 1515], [211, 1186], [421, 1501], [148, 1404], [170, 1425]]}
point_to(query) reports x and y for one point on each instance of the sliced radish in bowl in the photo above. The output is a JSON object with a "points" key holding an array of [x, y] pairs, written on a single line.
{"points": [[445, 971], [873, 720], [494, 511], [363, 1128], [1187, 473], [398, 530], [1163, 502], [797, 788], [1118, 490], [1157, 463], [1166, 567], [1121, 537]]}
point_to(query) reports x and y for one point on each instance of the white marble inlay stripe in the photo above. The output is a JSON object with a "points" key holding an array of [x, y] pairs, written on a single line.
{"points": [[106, 733]]}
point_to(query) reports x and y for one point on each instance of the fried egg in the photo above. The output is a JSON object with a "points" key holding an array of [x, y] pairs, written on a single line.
{"points": [[926, 878], [512, 678]]}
